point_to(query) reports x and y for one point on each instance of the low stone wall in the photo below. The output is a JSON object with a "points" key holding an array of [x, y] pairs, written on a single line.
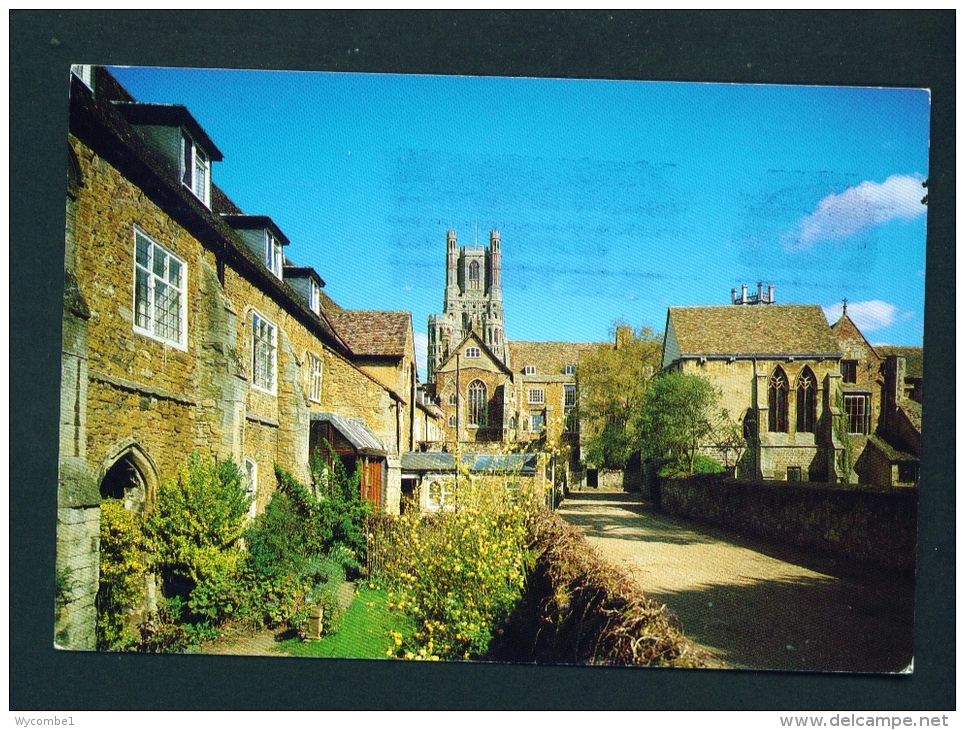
{"points": [[853, 522]]}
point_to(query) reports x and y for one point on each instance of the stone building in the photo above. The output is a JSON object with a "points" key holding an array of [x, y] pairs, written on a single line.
{"points": [[817, 402], [492, 389], [187, 329], [777, 367], [473, 302]]}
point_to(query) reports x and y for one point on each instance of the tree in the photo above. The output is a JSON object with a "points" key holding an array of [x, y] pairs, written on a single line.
{"points": [[613, 382], [675, 419], [728, 438]]}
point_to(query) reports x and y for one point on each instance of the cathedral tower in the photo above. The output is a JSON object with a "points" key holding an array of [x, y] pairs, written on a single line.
{"points": [[473, 301]]}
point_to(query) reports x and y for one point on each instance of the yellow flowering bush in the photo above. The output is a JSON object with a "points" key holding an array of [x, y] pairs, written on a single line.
{"points": [[459, 572], [122, 570]]}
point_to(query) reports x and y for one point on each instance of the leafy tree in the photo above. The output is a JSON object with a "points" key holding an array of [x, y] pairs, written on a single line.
{"points": [[728, 438], [613, 383], [675, 419]]}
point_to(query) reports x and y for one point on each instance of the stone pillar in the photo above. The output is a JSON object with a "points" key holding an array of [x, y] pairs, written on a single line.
{"points": [[78, 497]]}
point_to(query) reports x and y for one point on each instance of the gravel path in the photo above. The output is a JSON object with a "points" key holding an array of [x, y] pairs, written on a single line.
{"points": [[751, 604]]}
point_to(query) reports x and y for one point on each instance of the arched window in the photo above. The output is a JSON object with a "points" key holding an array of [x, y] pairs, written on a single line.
{"points": [[807, 387], [777, 401], [477, 403], [474, 275], [251, 484], [453, 399], [452, 421]]}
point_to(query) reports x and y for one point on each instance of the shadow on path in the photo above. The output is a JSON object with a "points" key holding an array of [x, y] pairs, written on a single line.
{"points": [[752, 603]]}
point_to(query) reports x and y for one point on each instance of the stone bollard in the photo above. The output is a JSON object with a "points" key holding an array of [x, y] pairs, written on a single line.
{"points": [[315, 623]]}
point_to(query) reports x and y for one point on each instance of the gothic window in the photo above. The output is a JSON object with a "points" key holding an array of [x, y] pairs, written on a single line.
{"points": [[858, 410], [453, 399], [159, 292], [477, 403], [474, 275], [806, 401], [777, 401], [452, 421]]}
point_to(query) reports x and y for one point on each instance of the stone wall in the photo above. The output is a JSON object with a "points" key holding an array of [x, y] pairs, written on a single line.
{"points": [[861, 524]]}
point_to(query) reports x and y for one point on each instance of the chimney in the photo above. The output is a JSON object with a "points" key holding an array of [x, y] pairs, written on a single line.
{"points": [[743, 293], [760, 292], [770, 293], [733, 296]]}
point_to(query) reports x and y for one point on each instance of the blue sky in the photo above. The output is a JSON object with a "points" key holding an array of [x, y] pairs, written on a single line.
{"points": [[615, 199]]}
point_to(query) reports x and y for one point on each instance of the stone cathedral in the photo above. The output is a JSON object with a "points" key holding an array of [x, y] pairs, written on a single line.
{"points": [[473, 302]]}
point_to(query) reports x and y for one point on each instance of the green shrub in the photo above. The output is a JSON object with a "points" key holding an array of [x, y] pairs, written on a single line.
{"points": [[196, 528], [704, 464], [123, 566]]}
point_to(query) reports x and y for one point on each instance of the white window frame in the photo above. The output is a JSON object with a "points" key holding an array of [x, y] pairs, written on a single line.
{"points": [[567, 390], [85, 72], [314, 296], [251, 484], [152, 281], [569, 370], [536, 396], [273, 254], [315, 382], [271, 370], [193, 158], [473, 352], [453, 399], [533, 417], [529, 370]]}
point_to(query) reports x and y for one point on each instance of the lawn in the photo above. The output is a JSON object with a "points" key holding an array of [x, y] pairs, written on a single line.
{"points": [[364, 632]]}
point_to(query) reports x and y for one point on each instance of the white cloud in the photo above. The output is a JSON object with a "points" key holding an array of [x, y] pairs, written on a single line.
{"points": [[421, 342], [858, 208], [868, 316]]}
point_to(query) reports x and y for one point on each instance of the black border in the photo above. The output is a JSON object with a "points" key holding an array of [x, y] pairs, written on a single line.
{"points": [[915, 49]]}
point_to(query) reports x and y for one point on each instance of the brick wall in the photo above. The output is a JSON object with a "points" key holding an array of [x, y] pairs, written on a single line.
{"points": [[862, 524]]}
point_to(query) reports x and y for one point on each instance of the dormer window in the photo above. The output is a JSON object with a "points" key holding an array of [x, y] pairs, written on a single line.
{"points": [[273, 255], [195, 169], [314, 296], [529, 370], [569, 370]]}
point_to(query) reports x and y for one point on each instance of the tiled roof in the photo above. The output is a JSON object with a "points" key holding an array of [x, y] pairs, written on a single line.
{"points": [[912, 355], [373, 333], [549, 358], [774, 329], [440, 461]]}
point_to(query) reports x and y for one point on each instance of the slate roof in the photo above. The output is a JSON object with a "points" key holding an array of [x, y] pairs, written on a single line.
{"points": [[440, 461], [549, 358], [912, 355], [773, 329], [373, 333], [355, 432]]}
